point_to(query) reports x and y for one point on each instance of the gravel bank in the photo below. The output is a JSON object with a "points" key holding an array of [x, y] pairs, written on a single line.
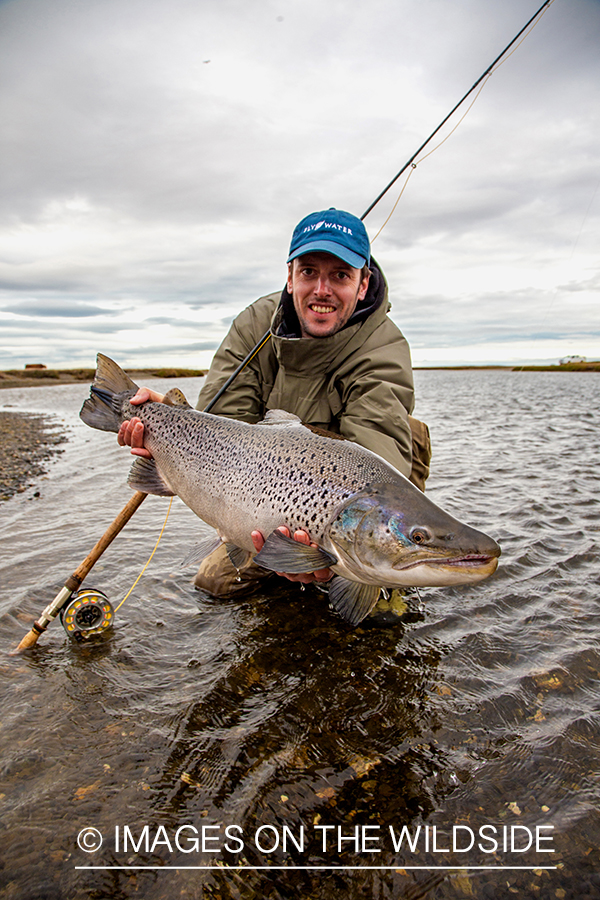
{"points": [[26, 442]]}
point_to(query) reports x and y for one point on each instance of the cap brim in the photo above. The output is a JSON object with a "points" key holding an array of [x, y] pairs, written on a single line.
{"points": [[353, 259]]}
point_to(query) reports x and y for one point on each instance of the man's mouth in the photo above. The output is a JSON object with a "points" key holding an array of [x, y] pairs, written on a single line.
{"points": [[321, 308]]}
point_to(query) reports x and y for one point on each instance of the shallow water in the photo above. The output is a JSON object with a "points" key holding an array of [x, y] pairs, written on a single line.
{"points": [[272, 718]]}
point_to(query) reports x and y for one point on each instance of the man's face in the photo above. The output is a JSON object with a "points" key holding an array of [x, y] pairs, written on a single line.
{"points": [[325, 291]]}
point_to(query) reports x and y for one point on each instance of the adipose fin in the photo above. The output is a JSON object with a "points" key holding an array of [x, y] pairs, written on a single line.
{"points": [[175, 397]]}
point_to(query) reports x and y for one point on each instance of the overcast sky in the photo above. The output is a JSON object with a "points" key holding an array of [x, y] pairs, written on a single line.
{"points": [[157, 154]]}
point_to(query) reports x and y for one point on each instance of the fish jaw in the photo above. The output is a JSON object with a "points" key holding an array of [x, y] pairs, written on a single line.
{"points": [[445, 572], [392, 535], [422, 572]]}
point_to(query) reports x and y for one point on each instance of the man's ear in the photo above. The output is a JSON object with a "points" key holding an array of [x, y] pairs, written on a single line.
{"points": [[289, 277], [364, 284]]}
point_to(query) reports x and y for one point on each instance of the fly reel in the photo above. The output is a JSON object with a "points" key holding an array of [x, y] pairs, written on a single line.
{"points": [[88, 612]]}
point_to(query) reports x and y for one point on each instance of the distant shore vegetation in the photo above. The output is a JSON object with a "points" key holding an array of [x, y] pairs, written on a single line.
{"points": [[36, 374], [585, 366]]}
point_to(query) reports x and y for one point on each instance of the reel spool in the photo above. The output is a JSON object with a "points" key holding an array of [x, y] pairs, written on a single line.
{"points": [[88, 612]]}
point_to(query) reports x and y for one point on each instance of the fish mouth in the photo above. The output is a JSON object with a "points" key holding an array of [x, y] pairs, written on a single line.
{"points": [[468, 561]]}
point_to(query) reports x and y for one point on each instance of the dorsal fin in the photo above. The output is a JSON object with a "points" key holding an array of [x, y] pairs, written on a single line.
{"points": [[324, 433], [280, 417]]}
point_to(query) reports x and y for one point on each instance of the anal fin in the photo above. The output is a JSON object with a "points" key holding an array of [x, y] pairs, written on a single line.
{"points": [[144, 476], [203, 549]]}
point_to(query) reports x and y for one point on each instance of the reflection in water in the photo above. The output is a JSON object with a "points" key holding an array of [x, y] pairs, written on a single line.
{"points": [[479, 709], [325, 717]]}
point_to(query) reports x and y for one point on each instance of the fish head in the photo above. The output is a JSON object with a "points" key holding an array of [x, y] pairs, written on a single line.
{"points": [[393, 535]]}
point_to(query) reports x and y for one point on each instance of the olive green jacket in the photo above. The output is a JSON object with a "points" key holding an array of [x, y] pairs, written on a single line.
{"points": [[357, 383]]}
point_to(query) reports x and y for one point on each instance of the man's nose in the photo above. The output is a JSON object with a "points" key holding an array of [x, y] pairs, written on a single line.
{"points": [[323, 286]]}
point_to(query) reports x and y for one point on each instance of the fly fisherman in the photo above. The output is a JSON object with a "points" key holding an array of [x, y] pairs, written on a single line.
{"points": [[334, 358]]}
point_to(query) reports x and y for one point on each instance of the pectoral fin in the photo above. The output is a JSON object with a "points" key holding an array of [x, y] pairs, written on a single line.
{"points": [[352, 600], [144, 476], [284, 554]]}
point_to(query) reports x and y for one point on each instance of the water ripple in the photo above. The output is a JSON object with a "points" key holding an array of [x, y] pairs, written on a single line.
{"points": [[480, 707]]}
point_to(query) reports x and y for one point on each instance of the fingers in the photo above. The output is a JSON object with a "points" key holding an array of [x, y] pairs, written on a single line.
{"points": [[131, 434], [258, 540], [306, 577], [320, 574], [144, 395], [141, 451]]}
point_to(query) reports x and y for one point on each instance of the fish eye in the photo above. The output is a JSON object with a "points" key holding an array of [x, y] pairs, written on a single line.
{"points": [[420, 535]]}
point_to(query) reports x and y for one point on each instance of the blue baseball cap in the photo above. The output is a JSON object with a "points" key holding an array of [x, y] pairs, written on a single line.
{"points": [[332, 231]]}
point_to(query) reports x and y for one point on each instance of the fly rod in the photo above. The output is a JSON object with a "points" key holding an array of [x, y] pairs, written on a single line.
{"points": [[410, 161], [266, 336], [74, 581], [97, 605]]}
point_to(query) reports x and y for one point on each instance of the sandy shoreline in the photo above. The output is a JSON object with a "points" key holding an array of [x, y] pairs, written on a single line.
{"points": [[27, 441]]}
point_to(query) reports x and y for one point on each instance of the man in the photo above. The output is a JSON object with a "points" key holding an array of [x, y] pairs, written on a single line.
{"points": [[334, 359]]}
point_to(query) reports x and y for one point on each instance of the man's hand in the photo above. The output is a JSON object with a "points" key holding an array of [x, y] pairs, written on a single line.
{"points": [[131, 432], [302, 538]]}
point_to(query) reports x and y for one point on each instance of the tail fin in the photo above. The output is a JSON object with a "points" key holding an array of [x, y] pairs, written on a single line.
{"points": [[102, 409]]}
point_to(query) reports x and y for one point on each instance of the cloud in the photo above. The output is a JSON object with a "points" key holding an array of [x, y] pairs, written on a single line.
{"points": [[66, 310], [144, 189]]}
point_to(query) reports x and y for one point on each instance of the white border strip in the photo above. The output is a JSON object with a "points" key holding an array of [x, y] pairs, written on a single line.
{"points": [[397, 868]]}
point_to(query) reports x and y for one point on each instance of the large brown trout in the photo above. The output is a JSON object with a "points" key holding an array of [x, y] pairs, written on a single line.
{"points": [[373, 527]]}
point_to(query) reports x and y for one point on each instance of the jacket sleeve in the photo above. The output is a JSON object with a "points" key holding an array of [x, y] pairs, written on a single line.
{"points": [[244, 398], [377, 395]]}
